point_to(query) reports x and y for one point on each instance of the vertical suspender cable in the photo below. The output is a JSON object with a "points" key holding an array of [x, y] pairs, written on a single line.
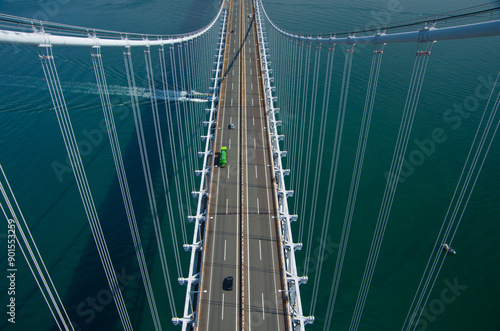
{"points": [[301, 185], [21, 233], [309, 155], [183, 159], [415, 310], [129, 69], [172, 144], [56, 93], [185, 115], [161, 154], [344, 92], [356, 176], [102, 87], [416, 83], [294, 159]]}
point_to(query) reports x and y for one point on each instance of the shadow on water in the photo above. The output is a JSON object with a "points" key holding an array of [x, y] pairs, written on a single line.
{"points": [[88, 300]]}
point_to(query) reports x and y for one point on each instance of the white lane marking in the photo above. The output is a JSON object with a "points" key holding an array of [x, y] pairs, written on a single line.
{"points": [[270, 218], [258, 209], [232, 86], [228, 173], [245, 150], [225, 249], [229, 147], [252, 101], [263, 317], [215, 226], [253, 120], [222, 318], [251, 85], [213, 247], [260, 250], [231, 102], [239, 149], [255, 171], [254, 144], [250, 72], [227, 204], [250, 60]]}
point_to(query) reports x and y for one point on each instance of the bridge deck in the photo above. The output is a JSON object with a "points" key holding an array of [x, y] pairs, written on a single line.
{"points": [[241, 222]]}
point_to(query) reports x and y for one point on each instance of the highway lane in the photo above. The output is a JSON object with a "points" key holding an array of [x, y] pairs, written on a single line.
{"points": [[241, 198], [220, 309], [264, 303]]}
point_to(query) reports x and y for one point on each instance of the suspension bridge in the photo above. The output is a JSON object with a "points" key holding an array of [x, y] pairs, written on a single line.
{"points": [[243, 272]]}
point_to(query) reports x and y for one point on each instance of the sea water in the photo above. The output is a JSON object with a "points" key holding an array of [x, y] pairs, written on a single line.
{"points": [[33, 156]]}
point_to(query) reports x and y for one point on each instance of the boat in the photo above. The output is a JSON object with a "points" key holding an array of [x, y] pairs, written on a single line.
{"points": [[198, 96], [448, 249]]}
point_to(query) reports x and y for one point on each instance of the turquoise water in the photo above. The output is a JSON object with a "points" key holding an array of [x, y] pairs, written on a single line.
{"points": [[30, 146], [456, 71]]}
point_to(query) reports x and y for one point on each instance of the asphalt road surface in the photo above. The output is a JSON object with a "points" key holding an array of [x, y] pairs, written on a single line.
{"points": [[241, 210]]}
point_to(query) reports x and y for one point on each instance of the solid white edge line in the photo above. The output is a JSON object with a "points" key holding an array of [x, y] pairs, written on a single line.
{"points": [[270, 219]]}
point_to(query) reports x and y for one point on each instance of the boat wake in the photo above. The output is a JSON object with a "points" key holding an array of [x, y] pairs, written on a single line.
{"points": [[91, 88]]}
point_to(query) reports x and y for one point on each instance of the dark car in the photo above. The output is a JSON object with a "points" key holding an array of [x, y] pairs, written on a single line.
{"points": [[227, 284], [231, 126]]}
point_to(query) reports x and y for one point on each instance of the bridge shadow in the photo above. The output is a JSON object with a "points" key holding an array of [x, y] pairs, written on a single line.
{"points": [[240, 48]]}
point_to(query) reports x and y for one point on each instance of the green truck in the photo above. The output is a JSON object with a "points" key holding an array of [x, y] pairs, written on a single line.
{"points": [[223, 157]]}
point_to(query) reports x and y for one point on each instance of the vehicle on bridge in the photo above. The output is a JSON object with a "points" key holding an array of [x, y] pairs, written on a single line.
{"points": [[223, 157], [228, 283]]}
